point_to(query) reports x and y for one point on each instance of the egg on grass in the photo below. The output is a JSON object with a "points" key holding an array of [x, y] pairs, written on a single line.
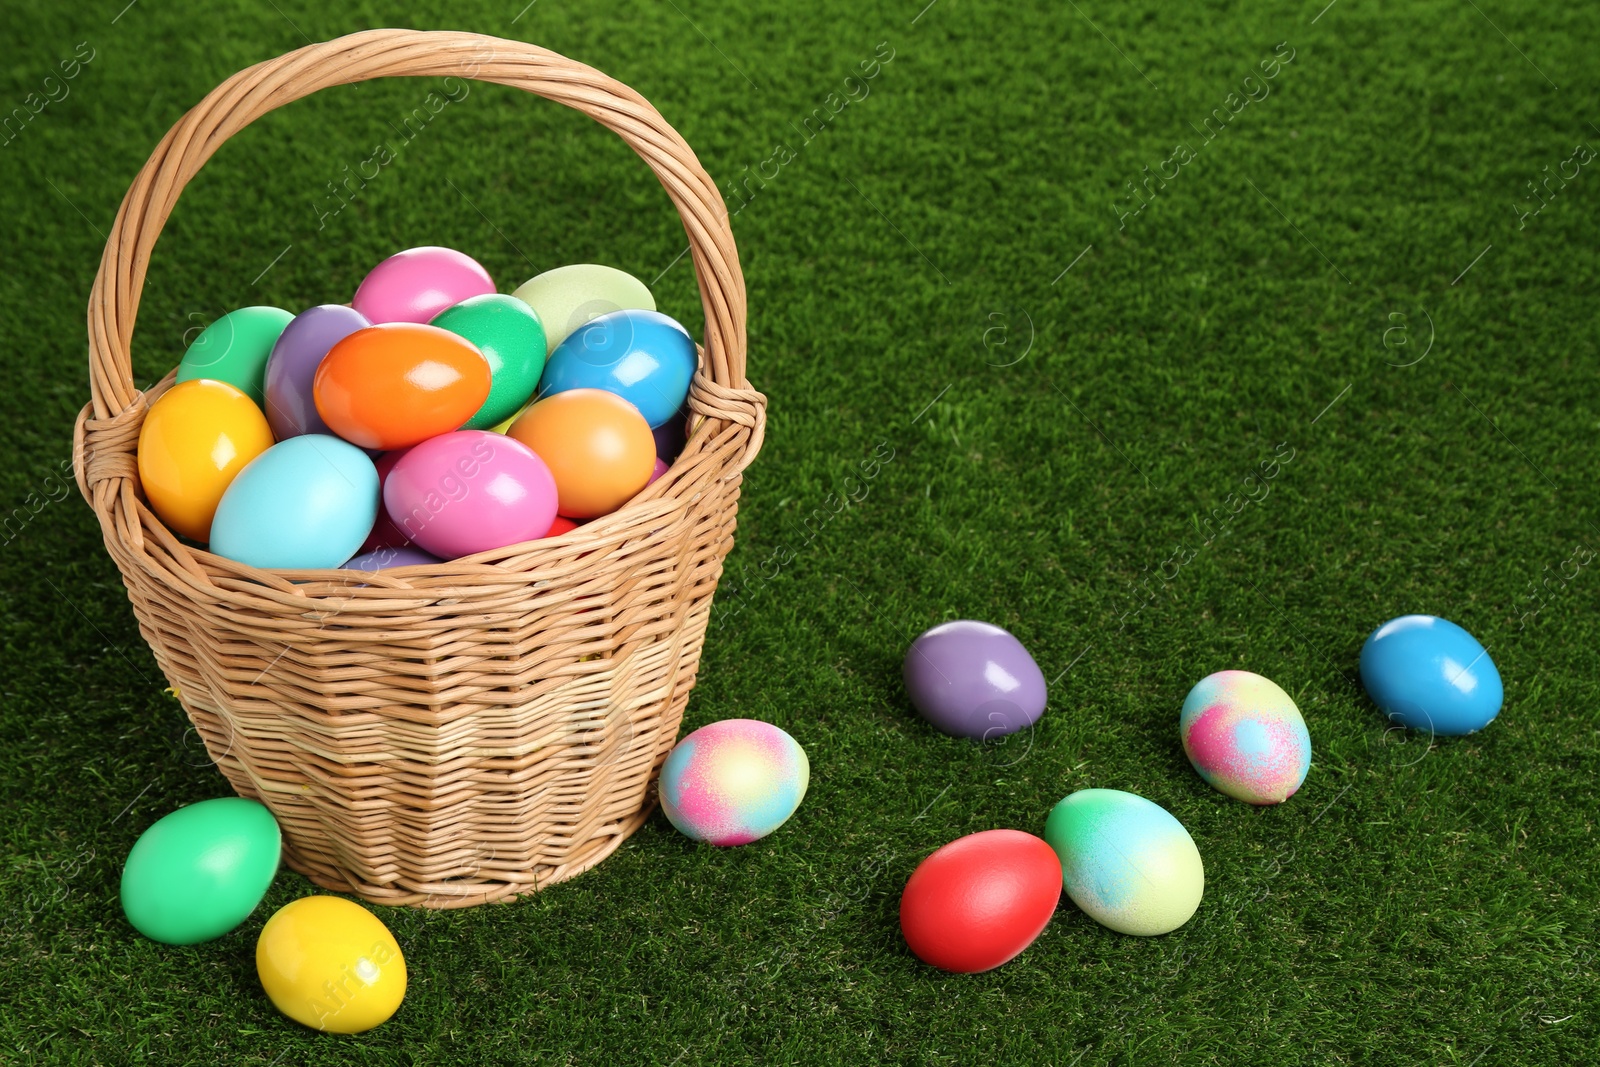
{"points": [[199, 872], [1245, 737], [734, 781], [1126, 861]]}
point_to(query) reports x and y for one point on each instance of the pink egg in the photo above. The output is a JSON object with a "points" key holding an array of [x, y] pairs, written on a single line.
{"points": [[417, 284], [661, 468], [470, 491]]}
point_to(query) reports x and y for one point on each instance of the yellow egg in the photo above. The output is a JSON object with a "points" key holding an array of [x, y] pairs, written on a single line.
{"points": [[331, 965], [195, 438], [506, 424]]}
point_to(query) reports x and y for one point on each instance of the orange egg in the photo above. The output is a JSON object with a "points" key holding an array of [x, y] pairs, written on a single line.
{"points": [[399, 383], [596, 444], [195, 438]]}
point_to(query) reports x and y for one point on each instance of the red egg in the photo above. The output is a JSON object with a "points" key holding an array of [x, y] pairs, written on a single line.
{"points": [[400, 383], [980, 900], [560, 526], [385, 534]]}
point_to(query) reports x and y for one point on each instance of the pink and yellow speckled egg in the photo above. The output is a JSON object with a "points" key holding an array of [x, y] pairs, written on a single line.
{"points": [[1246, 737], [734, 781]]}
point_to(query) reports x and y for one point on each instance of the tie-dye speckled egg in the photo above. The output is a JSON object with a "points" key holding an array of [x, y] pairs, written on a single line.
{"points": [[734, 781], [1245, 737], [1126, 861]]}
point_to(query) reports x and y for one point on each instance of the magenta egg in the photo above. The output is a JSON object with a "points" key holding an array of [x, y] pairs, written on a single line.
{"points": [[417, 284], [470, 491]]}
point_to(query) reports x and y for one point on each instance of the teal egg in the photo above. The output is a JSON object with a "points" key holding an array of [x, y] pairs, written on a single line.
{"points": [[306, 502], [511, 337], [234, 349], [199, 872]]}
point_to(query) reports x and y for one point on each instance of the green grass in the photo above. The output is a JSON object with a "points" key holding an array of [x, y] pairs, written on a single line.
{"points": [[1411, 905]]}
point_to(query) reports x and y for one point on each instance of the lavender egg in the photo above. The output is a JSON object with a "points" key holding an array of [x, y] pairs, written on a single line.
{"points": [[292, 366], [972, 679], [382, 559]]}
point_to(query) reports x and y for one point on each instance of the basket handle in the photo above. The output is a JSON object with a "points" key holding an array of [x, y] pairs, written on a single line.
{"points": [[251, 93]]}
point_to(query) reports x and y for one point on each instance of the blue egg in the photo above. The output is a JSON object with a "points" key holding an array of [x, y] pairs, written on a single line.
{"points": [[306, 502], [1430, 674], [643, 356]]}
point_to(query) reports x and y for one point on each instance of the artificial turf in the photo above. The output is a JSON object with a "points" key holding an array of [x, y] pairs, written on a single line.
{"points": [[1059, 399]]}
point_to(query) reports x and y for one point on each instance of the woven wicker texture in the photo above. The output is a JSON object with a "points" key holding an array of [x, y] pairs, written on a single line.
{"points": [[463, 732]]}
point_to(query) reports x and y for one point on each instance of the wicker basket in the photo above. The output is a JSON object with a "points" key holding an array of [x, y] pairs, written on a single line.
{"points": [[467, 731]]}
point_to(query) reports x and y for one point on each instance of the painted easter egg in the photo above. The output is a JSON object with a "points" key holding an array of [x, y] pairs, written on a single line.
{"points": [[560, 525], [575, 295], [235, 349], [331, 964], [597, 445], [734, 781], [382, 559], [505, 424], [393, 385], [1427, 673], [292, 367], [200, 871], [195, 440], [417, 284], [385, 534], [305, 502], [980, 900], [509, 335], [1126, 861], [973, 679], [1246, 737], [642, 356], [470, 491], [672, 435]]}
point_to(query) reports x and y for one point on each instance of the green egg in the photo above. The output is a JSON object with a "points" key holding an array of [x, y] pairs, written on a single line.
{"points": [[511, 337], [568, 297], [234, 349], [199, 872]]}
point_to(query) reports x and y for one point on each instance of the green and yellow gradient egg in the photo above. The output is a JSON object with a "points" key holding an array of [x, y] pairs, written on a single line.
{"points": [[1126, 861]]}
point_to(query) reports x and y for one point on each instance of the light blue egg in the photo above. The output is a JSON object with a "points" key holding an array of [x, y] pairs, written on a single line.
{"points": [[1429, 674], [306, 502], [643, 356]]}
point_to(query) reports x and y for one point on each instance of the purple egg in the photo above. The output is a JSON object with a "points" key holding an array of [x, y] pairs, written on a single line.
{"points": [[671, 435], [971, 679], [291, 411], [381, 559]]}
